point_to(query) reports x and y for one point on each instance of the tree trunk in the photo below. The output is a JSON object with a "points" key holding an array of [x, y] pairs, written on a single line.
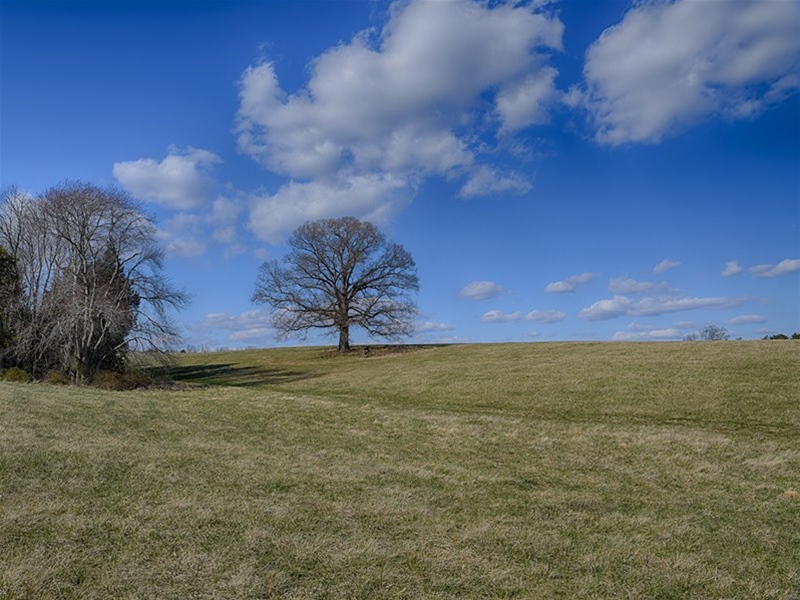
{"points": [[344, 338]]}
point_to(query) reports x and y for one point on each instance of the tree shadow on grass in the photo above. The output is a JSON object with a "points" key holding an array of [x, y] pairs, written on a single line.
{"points": [[229, 374]]}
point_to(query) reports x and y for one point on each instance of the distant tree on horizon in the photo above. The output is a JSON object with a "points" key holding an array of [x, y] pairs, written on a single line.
{"points": [[709, 333], [340, 273]]}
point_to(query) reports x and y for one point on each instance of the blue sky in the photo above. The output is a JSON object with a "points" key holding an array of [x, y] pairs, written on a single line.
{"points": [[559, 170]]}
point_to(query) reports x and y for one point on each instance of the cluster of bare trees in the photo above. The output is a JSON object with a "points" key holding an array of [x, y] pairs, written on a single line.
{"points": [[81, 281]]}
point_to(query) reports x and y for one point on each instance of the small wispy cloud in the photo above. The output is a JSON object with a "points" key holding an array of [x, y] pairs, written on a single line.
{"points": [[481, 290], [497, 316], [669, 333], [785, 267], [182, 236], [248, 326], [429, 326], [545, 316], [626, 285], [539, 316], [666, 265], [732, 268], [569, 284], [747, 320]]}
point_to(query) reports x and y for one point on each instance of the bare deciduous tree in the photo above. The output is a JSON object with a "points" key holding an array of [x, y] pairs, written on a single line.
{"points": [[340, 273], [709, 333], [92, 278]]}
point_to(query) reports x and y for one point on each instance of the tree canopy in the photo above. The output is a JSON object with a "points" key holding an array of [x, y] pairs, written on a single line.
{"points": [[338, 274]]}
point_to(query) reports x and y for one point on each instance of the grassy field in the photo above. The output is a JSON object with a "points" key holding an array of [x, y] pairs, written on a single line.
{"points": [[558, 470]]}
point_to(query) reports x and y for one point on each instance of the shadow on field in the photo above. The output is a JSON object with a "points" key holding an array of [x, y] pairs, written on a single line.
{"points": [[229, 374]]}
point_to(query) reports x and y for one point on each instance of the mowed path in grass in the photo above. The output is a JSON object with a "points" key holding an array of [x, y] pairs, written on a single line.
{"points": [[558, 470]]}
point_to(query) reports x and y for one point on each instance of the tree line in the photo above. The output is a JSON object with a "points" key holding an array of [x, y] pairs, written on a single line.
{"points": [[82, 285]]}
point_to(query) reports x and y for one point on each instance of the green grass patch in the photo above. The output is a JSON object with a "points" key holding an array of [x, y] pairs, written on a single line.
{"points": [[492, 471]]}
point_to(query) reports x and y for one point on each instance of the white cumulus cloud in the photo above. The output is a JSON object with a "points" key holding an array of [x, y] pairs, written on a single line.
{"points": [[399, 105], [180, 181], [606, 309], [668, 65]]}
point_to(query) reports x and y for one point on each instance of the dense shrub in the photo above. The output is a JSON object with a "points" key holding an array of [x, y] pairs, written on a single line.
{"points": [[15, 374], [129, 380]]}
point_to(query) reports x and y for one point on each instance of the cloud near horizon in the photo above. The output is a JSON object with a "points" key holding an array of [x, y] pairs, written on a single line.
{"points": [[619, 306], [669, 333]]}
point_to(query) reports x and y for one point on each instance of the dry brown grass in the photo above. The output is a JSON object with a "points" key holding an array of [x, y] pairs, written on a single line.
{"points": [[524, 471]]}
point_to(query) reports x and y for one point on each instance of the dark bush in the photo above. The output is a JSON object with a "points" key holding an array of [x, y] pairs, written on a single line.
{"points": [[15, 374], [56, 377], [129, 380]]}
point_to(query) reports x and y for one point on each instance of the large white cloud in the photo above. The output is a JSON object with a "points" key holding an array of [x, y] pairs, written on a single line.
{"points": [[401, 105], [668, 65], [180, 181]]}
